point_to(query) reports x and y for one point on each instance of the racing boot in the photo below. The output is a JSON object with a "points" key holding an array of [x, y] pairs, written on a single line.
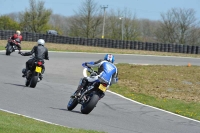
{"points": [[6, 45], [24, 72], [82, 85], [28, 73], [40, 77]]}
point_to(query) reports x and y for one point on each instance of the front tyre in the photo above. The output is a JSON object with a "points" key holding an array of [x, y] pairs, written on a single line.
{"points": [[8, 50], [72, 103], [27, 82], [87, 107]]}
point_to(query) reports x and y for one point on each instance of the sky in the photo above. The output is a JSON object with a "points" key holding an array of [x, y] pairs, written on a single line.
{"points": [[144, 9]]}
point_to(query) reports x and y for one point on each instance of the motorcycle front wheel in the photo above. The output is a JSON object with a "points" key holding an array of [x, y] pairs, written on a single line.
{"points": [[72, 103], [8, 50], [27, 82]]}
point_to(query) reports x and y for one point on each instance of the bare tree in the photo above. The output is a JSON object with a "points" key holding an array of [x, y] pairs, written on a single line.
{"points": [[86, 21], [14, 16], [131, 28], [35, 19], [177, 26], [113, 25], [121, 25], [59, 23], [147, 30], [192, 37]]}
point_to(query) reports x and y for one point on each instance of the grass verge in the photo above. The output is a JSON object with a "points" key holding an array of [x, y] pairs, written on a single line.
{"points": [[172, 88], [10, 123], [80, 48]]}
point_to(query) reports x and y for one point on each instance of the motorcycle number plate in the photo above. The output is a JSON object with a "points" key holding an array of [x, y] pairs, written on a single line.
{"points": [[101, 87], [38, 69]]}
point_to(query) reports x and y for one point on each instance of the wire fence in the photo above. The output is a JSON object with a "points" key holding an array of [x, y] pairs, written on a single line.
{"points": [[107, 43]]}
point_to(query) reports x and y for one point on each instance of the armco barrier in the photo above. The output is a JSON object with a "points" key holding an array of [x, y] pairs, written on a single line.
{"points": [[107, 43]]}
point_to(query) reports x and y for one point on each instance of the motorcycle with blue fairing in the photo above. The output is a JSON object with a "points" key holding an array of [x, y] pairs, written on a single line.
{"points": [[91, 94]]}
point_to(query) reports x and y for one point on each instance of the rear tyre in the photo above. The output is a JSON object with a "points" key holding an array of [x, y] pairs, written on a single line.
{"points": [[86, 108], [33, 81], [72, 103]]}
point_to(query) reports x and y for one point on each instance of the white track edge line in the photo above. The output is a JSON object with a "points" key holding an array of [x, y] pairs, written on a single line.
{"points": [[33, 118], [153, 107]]}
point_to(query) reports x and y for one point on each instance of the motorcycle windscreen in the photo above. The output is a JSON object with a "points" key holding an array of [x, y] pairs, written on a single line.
{"points": [[17, 40]]}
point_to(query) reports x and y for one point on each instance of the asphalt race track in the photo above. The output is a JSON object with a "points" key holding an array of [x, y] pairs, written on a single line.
{"points": [[113, 114]]}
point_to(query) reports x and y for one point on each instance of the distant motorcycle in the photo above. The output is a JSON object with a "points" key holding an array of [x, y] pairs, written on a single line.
{"points": [[90, 95], [34, 74], [12, 45]]}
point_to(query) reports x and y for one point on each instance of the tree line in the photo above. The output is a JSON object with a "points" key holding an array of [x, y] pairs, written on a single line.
{"points": [[177, 25]]}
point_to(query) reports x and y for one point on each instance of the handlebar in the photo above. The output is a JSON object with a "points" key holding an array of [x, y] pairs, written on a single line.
{"points": [[13, 41], [88, 69]]}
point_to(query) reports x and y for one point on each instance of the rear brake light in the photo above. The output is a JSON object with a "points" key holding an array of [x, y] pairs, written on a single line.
{"points": [[39, 63], [104, 84]]}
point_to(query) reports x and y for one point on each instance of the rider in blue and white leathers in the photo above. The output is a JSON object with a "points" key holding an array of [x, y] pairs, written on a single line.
{"points": [[107, 72]]}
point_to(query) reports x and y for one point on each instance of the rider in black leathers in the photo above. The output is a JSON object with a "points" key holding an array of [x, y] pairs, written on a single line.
{"points": [[40, 53]]}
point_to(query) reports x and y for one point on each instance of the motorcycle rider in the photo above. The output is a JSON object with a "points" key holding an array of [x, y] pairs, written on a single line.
{"points": [[40, 53], [107, 72], [18, 36]]}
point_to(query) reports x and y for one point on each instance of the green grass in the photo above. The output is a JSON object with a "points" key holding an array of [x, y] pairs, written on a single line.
{"points": [[10, 123], [79, 48], [187, 109], [172, 88], [2, 48]]}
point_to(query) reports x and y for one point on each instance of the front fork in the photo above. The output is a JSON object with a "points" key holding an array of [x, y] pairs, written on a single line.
{"points": [[79, 87]]}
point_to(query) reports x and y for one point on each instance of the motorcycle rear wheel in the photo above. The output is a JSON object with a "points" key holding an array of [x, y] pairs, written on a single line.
{"points": [[86, 108], [33, 81]]}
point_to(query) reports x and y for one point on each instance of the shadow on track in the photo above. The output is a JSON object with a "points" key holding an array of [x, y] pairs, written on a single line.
{"points": [[67, 110], [15, 84]]}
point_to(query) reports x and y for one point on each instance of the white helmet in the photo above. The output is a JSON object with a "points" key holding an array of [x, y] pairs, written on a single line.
{"points": [[41, 41], [18, 32]]}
